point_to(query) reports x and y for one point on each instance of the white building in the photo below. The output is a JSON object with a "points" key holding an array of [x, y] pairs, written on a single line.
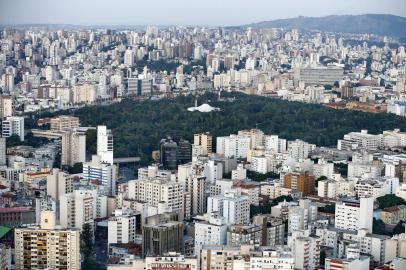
{"points": [[354, 215], [58, 183], [80, 207], [234, 208], [376, 187], [104, 172], [233, 146], [105, 144], [209, 230], [13, 125], [3, 148], [259, 165], [240, 173], [302, 215], [323, 168], [299, 150], [274, 144], [355, 140], [165, 195], [213, 170], [122, 227], [307, 252]]}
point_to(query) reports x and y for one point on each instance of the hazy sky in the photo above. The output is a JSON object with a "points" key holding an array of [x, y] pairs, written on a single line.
{"points": [[186, 12]]}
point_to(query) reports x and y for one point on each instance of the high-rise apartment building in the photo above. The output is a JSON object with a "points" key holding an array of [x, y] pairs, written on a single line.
{"points": [[80, 207], [307, 252], [164, 194], [209, 230], [103, 172], [234, 208], [64, 123], [236, 146], [13, 125], [299, 149], [58, 183], [84, 93], [105, 144], [129, 58], [73, 147], [302, 182], [354, 215], [6, 106], [205, 140], [47, 247], [122, 227]]}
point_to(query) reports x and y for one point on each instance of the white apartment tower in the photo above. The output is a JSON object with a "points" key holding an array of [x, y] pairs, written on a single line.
{"points": [[105, 144], [103, 172], [235, 209], [355, 215], [211, 230], [121, 227], [166, 195], [13, 125]]}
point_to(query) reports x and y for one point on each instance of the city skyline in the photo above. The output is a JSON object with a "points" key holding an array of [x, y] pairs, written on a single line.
{"points": [[181, 12]]}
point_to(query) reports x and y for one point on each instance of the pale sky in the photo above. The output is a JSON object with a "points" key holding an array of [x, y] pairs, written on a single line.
{"points": [[183, 12]]}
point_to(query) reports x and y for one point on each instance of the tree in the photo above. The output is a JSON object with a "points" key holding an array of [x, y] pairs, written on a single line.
{"points": [[390, 200], [87, 239], [322, 257], [13, 140], [341, 168], [378, 226], [398, 229], [138, 126], [329, 208], [259, 177], [91, 141], [76, 168]]}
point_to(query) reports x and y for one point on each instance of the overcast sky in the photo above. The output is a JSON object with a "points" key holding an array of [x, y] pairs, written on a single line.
{"points": [[185, 12]]}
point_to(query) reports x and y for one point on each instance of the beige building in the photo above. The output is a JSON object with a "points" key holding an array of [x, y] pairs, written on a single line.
{"points": [[64, 123], [47, 247], [80, 207], [73, 148], [393, 215], [58, 184], [204, 140], [6, 106], [84, 93]]}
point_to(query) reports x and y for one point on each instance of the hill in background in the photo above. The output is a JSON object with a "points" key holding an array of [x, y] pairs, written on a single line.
{"points": [[379, 24]]}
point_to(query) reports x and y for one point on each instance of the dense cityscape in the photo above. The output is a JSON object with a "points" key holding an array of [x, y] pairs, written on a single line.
{"points": [[201, 148]]}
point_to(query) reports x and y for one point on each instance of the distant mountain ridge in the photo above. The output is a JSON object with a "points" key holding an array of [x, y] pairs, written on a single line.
{"points": [[379, 24]]}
